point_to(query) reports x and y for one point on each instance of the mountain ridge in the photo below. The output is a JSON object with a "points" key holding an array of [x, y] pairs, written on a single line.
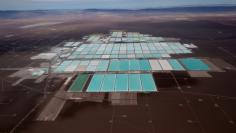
{"points": [[11, 14]]}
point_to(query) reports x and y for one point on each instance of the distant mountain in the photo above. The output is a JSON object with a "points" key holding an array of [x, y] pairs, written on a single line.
{"points": [[28, 14], [196, 9], [174, 9], [191, 9]]}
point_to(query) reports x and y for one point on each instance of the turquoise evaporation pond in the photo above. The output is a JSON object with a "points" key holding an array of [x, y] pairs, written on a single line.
{"points": [[102, 66], [129, 65], [145, 65], [108, 83], [95, 83], [114, 65], [176, 65], [142, 50], [63, 66], [134, 82], [148, 83], [134, 65], [194, 64], [124, 65], [122, 83], [121, 56]]}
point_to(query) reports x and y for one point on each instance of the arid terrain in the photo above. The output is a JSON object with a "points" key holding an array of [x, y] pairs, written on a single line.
{"points": [[203, 105]]}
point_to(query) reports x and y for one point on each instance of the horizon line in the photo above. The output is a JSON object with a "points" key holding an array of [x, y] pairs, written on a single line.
{"points": [[134, 9]]}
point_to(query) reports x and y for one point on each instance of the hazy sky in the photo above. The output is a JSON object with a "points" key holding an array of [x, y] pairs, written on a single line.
{"points": [[111, 4]]}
